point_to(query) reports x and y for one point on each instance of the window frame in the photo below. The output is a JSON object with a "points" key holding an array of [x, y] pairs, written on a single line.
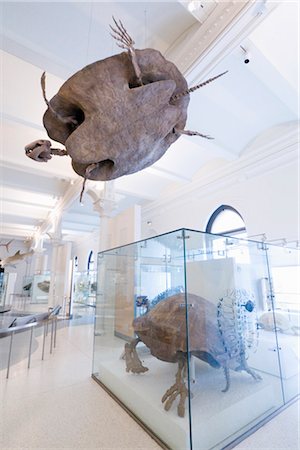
{"points": [[91, 261], [216, 213]]}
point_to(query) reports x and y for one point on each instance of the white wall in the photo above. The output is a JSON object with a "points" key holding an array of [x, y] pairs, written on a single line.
{"points": [[82, 248], [263, 185], [125, 227], [122, 229]]}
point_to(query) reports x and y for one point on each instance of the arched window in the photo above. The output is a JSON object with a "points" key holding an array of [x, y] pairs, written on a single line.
{"points": [[90, 264], [226, 220]]}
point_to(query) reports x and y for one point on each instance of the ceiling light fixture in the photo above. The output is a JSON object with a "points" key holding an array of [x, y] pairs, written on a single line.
{"points": [[194, 5], [200, 9]]}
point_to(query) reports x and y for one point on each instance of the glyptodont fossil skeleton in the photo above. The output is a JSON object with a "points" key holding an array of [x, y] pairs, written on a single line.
{"points": [[119, 115]]}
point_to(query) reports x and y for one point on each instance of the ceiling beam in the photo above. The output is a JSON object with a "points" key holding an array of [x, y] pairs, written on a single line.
{"points": [[166, 174], [26, 203], [17, 120], [132, 192]]}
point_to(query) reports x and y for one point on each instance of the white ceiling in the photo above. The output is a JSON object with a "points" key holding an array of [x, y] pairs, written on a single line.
{"points": [[62, 37]]}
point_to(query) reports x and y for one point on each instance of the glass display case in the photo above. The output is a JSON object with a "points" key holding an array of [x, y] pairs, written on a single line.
{"points": [[196, 334], [37, 287], [84, 290], [3, 284], [7, 285]]}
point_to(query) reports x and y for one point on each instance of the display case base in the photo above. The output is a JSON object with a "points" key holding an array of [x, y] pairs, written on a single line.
{"points": [[141, 424]]}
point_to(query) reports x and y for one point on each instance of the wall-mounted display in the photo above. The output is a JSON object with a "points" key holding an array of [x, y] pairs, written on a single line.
{"points": [[39, 289], [187, 339]]}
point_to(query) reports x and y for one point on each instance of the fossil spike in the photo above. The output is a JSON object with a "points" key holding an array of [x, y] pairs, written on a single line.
{"points": [[192, 133], [194, 88], [43, 84]]}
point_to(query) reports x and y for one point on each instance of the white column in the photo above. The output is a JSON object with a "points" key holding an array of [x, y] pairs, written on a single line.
{"points": [[41, 257], [60, 284], [106, 206]]}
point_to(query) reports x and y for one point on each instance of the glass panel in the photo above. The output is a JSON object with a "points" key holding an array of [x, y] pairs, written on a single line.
{"points": [[3, 282], [234, 370], [285, 281], [140, 333], [40, 288]]}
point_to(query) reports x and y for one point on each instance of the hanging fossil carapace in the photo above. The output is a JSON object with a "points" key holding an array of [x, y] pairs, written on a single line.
{"points": [[118, 115]]}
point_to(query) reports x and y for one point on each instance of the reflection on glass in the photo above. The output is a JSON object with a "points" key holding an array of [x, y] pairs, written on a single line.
{"points": [[84, 289], [181, 337], [285, 294]]}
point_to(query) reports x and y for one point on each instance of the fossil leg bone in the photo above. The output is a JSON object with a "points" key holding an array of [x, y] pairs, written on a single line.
{"points": [[125, 41], [227, 377], [244, 366], [88, 171], [133, 363], [71, 120], [179, 388]]}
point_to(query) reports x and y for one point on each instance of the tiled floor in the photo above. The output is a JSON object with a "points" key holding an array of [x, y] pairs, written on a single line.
{"points": [[56, 405]]}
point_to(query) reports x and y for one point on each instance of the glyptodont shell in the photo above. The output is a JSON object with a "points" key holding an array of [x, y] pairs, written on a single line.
{"points": [[122, 127]]}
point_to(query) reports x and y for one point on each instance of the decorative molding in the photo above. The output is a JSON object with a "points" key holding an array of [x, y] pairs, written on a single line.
{"points": [[26, 123], [264, 158], [204, 45]]}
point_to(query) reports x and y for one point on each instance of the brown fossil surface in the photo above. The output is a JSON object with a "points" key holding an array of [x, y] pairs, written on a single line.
{"points": [[121, 126], [164, 331], [119, 115]]}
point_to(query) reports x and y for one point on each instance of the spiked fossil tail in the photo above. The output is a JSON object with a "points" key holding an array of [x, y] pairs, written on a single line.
{"points": [[194, 88]]}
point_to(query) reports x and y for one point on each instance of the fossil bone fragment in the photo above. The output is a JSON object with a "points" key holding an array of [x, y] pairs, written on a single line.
{"points": [[119, 115], [163, 331], [14, 259]]}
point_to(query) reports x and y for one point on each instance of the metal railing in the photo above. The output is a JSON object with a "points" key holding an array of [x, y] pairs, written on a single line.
{"points": [[28, 322]]}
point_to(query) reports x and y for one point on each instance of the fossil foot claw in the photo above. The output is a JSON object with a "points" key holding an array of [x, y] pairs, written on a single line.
{"points": [[133, 363], [171, 394]]}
